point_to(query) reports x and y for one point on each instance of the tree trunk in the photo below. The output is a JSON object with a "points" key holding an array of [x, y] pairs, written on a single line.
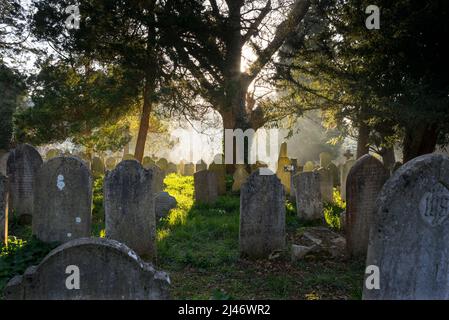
{"points": [[418, 140], [144, 123], [362, 140], [388, 158]]}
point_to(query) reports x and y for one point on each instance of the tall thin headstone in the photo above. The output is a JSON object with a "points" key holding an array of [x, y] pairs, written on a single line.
{"points": [[409, 239], [309, 203], [62, 200], [262, 216], [282, 168], [326, 185], [219, 168], [364, 182], [158, 178], [129, 207], [23, 163]]}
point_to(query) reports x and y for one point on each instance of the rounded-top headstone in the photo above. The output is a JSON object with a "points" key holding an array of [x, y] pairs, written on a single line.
{"points": [[23, 163], [62, 200], [409, 240], [129, 207], [364, 182], [90, 268]]}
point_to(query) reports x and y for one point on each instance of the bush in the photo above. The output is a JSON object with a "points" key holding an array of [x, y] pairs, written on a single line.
{"points": [[333, 210]]}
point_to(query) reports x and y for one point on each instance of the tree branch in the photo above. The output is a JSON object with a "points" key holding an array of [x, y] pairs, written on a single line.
{"points": [[254, 27]]}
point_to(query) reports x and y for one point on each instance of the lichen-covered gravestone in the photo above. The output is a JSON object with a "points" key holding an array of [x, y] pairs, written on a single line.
{"points": [[189, 169], [23, 163], [110, 163], [129, 207], [62, 200], [240, 177], [158, 177], [90, 269], [325, 159], [309, 166], [409, 240], [3, 208], [206, 187], [171, 168], [364, 182], [309, 204], [262, 216]]}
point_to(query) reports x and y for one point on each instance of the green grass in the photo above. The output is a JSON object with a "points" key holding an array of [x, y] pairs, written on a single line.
{"points": [[197, 245]]}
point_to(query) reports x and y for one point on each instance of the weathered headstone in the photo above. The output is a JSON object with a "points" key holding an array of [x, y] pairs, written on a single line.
{"points": [[325, 159], [62, 200], [309, 204], [147, 162], [409, 239], [128, 156], [158, 178], [283, 150], [309, 166], [262, 216], [201, 165], [3, 208], [52, 153], [344, 170], [364, 182], [189, 169], [23, 163], [333, 169], [283, 163], [206, 186], [326, 185], [129, 207], [164, 202], [171, 168], [97, 167], [90, 269], [220, 171], [110, 163], [257, 165], [162, 163], [240, 177]]}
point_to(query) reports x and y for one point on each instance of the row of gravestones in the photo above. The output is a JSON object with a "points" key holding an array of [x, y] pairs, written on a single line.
{"points": [[59, 192]]}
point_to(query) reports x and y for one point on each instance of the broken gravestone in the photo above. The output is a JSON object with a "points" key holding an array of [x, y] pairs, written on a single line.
{"points": [[62, 200], [90, 269], [129, 207], [364, 182], [262, 216], [409, 239]]}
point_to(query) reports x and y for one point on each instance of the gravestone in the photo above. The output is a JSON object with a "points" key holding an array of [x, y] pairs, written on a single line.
{"points": [[295, 168], [206, 186], [3, 208], [201, 165], [344, 170], [62, 200], [180, 168], [97, 167], [171, 168], [128, 156], [262, 216], [129, 207], [110, 163], [164, 202], [283, 150], [309, 166], [3, 163], [240, 177], [106, 270], [147, 162], [364, 182], [309, 203], [189, 169], [283, 163], [257, 165], [325, 159], [326, 185], [158, 178], [220, 171], [52, 153], [23, 163], [333, 169], [162, 163], [409, 239]]}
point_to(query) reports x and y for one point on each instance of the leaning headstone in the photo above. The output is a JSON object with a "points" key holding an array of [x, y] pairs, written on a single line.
{"points": [[326, 185], [309, 204], [23, 163], [201, 165], [309, 166], [158, 178], [62, 200], [189, 169], [90, 269], [364, 182], [344, 170], [240, 177], [325, 159], [206, 186], [409, 239], [110, 163], [3, 208], [129, 207], [220, 171], [97, 167], [262, 216], [164, 202]]}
